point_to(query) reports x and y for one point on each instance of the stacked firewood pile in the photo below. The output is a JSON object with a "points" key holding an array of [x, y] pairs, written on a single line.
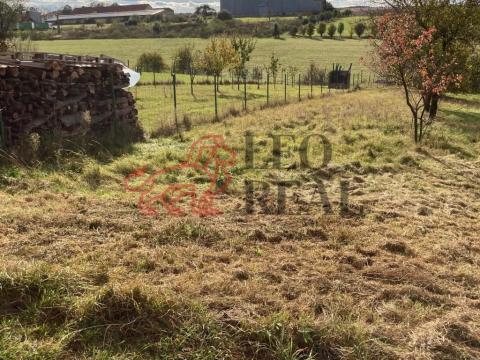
{"points": [[63, 98]]}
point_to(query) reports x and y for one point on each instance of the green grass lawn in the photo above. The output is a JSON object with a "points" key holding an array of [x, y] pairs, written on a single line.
{"points": [[298, 52]]}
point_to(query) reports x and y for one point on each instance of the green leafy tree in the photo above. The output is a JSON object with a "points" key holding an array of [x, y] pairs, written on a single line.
{"points": [[454, 27], [274, 68], [332, 29], [188, 61], [224, 15], [360, 29], [341, 28], [322, 27], [243, 46], [218, 56], [293, 31], [292, 73], [257, 75], [205, 11], [310, 30], [151, 62], [10, 12], [303, 30]]}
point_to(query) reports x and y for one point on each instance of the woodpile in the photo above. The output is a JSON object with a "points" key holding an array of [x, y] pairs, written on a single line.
{"points": [[62, 98]]}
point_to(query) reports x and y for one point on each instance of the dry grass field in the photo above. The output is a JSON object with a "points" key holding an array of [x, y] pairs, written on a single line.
{"points": [[395, 275]]}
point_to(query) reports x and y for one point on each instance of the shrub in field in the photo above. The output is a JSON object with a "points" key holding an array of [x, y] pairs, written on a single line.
{"points": [[183, 58], [472, 75], [224, 15], [310, 30], [133, 21], [322, 27], [341, 28], [244, 47], [188, 61], [9, 15], [314, 75], [274, 67], [218, 56], [205, 11], [156, 28], [293, 31], [332, 29], [303, 30], [360, 29], [292, 73], [216, 27], [276, 31], [257, 75], [152, 62]]}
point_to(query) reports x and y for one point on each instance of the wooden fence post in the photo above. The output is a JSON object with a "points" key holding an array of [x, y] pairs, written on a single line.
{"points": [[245, 92], [299, 87], [175, 117], [268, 87], [285, 88], [114, 105], [215, 79], [311, 86], [3, 142]]}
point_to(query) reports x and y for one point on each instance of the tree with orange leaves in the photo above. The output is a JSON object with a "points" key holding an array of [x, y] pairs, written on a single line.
{"points": [[405, 53]]}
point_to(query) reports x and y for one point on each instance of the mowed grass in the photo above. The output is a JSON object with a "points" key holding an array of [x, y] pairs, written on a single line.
{"points": [[299, 52], [392, 276]]}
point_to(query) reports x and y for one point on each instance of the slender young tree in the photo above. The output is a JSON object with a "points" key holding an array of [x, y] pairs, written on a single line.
{"points": [[405, 54], [332, 29], [310, 30], [341, 28], [274, 67], [359, 29], [188, 61], [218, 56], [243, 46], [454, 30], [276, 31], [322, 27]]}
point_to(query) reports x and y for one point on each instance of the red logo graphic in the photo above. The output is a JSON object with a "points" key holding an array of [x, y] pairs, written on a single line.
{"points": [[209, 157]]}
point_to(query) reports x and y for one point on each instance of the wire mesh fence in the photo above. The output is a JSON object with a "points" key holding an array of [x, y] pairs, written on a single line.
{"points": [[195, 102]]}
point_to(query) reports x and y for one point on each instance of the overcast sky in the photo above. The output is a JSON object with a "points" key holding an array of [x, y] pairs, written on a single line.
{"points": [[177, 5]]}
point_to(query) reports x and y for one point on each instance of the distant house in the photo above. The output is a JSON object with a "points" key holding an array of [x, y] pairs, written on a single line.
{"points": [[113, 12], [264, 8]]}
